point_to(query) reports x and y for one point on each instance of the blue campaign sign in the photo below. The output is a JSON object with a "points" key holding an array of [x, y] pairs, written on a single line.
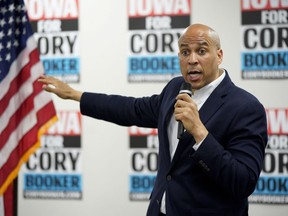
{"points": [[264, 60], [61, 66], [153, 65], [272, 185], [52, 182], [141, 183]]}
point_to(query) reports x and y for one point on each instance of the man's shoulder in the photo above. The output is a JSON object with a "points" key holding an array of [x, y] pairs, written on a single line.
{"points": [[175, 82], [177, 79]]}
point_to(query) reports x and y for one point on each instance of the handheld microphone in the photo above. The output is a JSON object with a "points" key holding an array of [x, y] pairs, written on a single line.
{"points": [[186, 88]]}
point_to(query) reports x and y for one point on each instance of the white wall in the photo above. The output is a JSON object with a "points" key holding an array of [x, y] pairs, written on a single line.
{"points": [[104, 47]]}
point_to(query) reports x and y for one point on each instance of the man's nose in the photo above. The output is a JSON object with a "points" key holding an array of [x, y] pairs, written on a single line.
{"points": [[193, 58]]}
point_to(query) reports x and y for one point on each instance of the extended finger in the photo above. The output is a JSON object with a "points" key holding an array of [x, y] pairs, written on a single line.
{"points": [[184, 97], [49, 88], [47, 79]]}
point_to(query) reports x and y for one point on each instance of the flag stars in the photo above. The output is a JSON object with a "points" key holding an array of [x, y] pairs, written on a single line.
{"points": [[8, 57], [2, 23], [9, 33], [11, 8], [17, 32], [19, 8], [18, 20], [8, 46], [23, 8], [24, 19], [3, 10], [11, 20], [16, 43]]}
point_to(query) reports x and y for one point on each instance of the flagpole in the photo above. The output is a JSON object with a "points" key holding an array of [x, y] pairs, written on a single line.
{"points": [[15, 197]]}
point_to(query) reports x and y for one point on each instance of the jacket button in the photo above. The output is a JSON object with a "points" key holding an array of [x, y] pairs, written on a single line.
{"points": [[168, 177]]}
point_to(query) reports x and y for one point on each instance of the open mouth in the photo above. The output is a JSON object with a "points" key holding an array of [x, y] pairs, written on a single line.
{"points": [[194, 75]]}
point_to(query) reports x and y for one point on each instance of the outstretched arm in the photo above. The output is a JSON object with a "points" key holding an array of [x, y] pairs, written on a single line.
{"points": [[59, 88]]}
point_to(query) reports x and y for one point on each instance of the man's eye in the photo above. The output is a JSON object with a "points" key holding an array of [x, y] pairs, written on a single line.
{"points": [[202, 51], [185, 53]]}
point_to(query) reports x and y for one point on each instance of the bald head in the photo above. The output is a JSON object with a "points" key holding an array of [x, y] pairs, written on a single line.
{"points": [[200, 55], [200, 31]]}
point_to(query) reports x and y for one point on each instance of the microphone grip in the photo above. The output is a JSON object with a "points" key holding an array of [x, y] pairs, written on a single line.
{"points": [[180, 130], [185, 88]]}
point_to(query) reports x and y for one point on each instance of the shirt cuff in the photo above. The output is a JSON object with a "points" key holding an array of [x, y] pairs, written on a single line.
{"points": [[196, 146]]}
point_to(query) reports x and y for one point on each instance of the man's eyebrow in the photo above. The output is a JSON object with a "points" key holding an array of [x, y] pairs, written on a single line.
{"points": [[203, 43], [184, 45], [200, 43]]}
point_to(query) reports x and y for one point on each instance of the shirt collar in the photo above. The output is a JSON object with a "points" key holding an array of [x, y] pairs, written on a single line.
{"points": [[205, 91]]}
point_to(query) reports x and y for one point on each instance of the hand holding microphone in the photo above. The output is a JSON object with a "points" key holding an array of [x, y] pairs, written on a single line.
{"points": [[186, 88], [186, 113]]}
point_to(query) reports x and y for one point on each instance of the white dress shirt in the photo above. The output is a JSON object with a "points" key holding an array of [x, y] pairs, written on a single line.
{"points": [[199, 96]]}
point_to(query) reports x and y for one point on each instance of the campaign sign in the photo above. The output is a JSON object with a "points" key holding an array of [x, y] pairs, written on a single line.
{"points": [[272, 186], [143, 150], [264, 33], [54, 171], [154, 30], [55, 26]]}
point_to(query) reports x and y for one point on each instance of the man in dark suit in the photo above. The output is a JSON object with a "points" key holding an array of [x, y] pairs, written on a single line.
{"points": [[215, 166]]}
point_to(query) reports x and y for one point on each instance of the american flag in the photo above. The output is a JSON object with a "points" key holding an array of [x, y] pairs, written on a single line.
{"points": [[26, 111]]}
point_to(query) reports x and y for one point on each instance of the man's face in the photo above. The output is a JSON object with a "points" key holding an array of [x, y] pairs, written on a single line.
{"points": [[199, 56]]}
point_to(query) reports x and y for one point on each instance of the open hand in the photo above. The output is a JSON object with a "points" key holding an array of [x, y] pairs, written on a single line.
{"points": [[59, 88]]}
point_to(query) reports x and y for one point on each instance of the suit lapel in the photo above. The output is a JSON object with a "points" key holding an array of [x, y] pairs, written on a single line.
{"points": [[209, 108], [215, 100], [168, 114], [213, 103]]}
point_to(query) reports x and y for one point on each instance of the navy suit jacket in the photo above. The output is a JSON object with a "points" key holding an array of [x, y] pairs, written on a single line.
{"points": [[218, 177]]}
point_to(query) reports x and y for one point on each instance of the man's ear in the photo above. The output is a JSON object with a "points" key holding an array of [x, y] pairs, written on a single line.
{"points": [[220, 56]]}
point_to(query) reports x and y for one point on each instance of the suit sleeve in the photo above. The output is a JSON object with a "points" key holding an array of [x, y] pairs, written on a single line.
{"points": [[125, 111], [235, 164]]}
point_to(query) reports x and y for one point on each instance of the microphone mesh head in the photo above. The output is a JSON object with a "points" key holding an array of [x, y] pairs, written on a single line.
{"points": [[186, 88]]}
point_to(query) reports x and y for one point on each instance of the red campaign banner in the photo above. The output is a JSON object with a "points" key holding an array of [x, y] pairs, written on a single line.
{"points": [[277, 121], [141, 8], [52, 9], [138, 131], [69, 123], [254, 5]]}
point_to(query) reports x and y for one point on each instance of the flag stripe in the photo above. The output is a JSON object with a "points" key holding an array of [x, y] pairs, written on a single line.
{"points": [[23, 148], [31, 136], [19, 96], [23, 127], [17, 65], [26, 111], [19, 101], [17, 82], [23, 110]]}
